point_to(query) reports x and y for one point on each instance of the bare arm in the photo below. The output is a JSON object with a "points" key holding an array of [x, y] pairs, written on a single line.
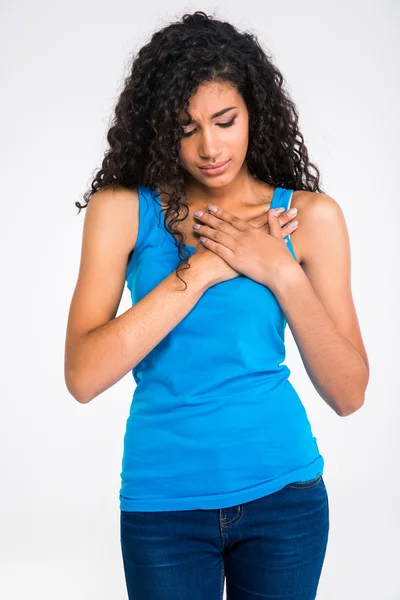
{"points": [[319, 308], [101, 348]]}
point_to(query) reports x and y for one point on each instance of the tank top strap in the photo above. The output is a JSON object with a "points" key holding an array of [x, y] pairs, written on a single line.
{"points": [[150, 217], [147, 217], [281, 197]]}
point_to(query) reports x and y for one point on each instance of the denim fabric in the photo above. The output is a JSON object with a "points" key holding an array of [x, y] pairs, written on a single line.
{"points": [[273, 547]]}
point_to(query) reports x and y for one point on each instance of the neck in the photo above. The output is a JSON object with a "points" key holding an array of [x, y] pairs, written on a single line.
{"points": [[242, 191]]}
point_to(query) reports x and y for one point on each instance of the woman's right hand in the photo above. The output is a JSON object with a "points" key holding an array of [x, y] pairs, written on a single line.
{"points": [[216, 268]]}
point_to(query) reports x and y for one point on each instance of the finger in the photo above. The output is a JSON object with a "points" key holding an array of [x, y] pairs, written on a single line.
{"points": [[284, 218], [226, 217], [216, 247], [223, 220], [217, 236], [287, 216], [287, 222], [290, 227], [274, 225], [260, 220]]}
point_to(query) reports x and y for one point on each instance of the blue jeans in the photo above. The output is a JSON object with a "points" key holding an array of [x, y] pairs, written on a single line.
{"points": [[273, 547]]}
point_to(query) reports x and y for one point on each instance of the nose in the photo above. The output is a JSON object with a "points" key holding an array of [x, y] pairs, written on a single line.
{"points": [[208, 145]]}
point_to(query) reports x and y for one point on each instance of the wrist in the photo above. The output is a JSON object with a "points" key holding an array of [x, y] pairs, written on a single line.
{"points": [[197, 275], [287, 278]]}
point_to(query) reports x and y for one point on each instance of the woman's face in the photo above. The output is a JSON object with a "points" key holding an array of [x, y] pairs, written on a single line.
{"points": [[214, 139]]}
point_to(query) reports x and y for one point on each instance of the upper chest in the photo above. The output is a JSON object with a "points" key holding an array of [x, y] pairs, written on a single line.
{"points": [[298, 200]]}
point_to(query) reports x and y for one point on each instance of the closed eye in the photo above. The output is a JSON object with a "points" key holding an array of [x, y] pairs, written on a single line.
{"points": [[224, 125]]}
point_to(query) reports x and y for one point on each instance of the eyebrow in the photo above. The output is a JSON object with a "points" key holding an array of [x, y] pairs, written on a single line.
{"points": [[215, 115]]}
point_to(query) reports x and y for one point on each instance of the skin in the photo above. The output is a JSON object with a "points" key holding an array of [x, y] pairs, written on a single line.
{"points": [[321, 310], [314, 293], [209, 142]]}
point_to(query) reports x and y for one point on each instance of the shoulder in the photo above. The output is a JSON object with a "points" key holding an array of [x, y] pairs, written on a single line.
{"points": [[116, 208], [115, 195], [316, 213]]}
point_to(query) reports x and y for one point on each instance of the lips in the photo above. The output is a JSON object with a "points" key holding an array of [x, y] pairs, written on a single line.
{"points": [[215, 165]]}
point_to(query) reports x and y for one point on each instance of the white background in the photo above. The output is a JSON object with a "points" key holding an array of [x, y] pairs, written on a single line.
{"points": [[63, 65]]}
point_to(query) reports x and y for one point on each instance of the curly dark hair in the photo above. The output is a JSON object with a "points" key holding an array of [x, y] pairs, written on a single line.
{"points": [[145, 134]]}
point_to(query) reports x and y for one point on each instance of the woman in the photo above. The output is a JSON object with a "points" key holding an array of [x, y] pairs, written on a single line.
{"points": [[221, 474]]}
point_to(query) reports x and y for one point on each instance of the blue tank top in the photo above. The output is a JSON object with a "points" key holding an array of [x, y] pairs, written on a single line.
{"points": [[214, 421]]}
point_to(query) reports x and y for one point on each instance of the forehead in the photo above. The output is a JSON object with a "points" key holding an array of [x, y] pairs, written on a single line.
{"points": [[212, 97]]}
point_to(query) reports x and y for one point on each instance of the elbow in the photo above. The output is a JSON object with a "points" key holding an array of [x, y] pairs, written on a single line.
{"points": [[75, 388], [356, 400], [77, 394], [350, 408], [82, 399]]}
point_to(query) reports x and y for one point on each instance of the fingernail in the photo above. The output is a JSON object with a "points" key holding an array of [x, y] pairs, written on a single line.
{"points": [[292, 212], [212, 208], [279, 210], [198, 213]]}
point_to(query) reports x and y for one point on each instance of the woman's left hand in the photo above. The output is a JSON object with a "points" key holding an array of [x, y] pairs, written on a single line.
{"points": [[252, 251]]}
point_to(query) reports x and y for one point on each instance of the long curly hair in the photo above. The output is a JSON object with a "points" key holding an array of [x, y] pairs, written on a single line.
{"points": [[145, 133]]}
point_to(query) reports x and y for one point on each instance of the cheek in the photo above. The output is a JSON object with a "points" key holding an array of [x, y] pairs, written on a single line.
{"points": [[244, 135], [184, 151], [186, 155]]}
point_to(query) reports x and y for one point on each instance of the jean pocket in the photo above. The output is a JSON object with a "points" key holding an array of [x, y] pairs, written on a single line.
{"points": [[306, 484]]}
